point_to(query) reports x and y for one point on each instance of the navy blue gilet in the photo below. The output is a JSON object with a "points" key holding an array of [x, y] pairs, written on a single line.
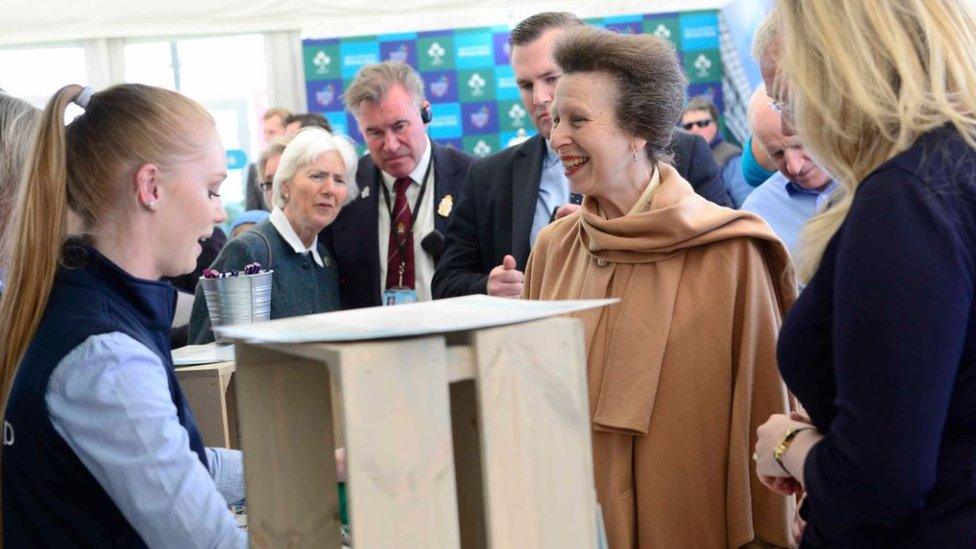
{"points": [[49, 497]]}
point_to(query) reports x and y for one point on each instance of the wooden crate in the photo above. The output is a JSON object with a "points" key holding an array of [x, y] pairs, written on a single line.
{"points": [[209, 391], [479, 439]]}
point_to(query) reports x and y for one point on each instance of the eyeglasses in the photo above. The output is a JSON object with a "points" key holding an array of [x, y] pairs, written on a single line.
{"points": [[780, 108], [266, 185], [700, 123]]}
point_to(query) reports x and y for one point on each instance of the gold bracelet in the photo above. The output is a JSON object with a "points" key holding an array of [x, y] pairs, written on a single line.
{"points": [[784, 445]]}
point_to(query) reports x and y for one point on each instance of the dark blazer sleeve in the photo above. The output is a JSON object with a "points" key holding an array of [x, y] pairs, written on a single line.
{"points": [[694, 161], [460, 270]]}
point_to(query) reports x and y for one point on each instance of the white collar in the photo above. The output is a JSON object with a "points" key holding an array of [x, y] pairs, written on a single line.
{"points": [[287, 232], [418, 171]]}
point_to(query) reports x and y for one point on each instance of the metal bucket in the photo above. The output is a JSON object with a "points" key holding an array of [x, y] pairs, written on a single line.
{"points": [[238, 299]]}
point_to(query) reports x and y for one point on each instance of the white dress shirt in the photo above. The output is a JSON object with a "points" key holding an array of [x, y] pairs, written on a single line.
{"points": [[284, 228], [423, 224]]}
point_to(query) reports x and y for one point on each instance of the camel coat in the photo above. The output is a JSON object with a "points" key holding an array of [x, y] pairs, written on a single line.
{"points": [[683, 370]]}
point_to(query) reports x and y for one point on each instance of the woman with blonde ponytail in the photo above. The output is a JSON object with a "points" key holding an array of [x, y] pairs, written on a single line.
{"points": [[880, 348], [99, 446]]}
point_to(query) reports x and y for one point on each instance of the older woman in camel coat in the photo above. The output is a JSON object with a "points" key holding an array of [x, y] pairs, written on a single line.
{"points": [[683, 369]]}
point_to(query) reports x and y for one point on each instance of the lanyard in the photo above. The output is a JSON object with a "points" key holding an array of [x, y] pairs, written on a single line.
{"points": [[401, 239]]}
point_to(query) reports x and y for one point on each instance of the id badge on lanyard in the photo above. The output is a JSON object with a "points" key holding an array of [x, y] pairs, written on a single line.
{"points": [[399, 294]]}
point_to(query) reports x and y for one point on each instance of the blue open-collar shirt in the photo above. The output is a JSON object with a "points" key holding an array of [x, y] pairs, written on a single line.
{"points": [[553, 192], [787, 207]]}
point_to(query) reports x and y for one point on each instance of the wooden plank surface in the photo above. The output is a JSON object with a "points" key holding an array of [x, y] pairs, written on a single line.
{"points": [[467, 463], [289, 462], [535, 435], [398, 438], [205, 388]]}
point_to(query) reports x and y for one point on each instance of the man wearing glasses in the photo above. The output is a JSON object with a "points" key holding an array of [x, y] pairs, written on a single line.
{"points": [[700, 117]]}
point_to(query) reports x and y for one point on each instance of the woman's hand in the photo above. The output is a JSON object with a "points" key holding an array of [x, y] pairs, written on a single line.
{"points": [[768, 436]]}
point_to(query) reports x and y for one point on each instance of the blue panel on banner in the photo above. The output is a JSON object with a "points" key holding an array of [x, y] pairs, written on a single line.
{"points": [[616, 19], [338, 121], [480, 117], [428, 34], [440, 86], [474, 50], [324, 95], [236, 159], [404, 51], [631, 27], [699, 31], [713, 91], [503, 50], [397, 37], [505, 86], [447, 121], [356, 54]]}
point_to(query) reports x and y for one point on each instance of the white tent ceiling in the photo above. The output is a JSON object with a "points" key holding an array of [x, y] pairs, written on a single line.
{"points": [[52, 21]]}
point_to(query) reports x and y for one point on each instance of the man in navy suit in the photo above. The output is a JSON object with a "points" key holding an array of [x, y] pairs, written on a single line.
{"points": [[388, 240], [510, 196]]}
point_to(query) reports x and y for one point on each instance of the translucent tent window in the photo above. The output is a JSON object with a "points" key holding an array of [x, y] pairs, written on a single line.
{"points": [[20, 77], [228, 76]]}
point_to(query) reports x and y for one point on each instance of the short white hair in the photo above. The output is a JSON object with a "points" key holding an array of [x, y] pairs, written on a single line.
{"points": [[307, 145]]}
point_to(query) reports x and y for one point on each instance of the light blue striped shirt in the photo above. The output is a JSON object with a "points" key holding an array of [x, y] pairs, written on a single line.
{"points": [[109, 399]]}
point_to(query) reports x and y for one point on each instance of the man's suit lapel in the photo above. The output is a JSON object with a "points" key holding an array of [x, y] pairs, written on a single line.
{"points": [[526, 176], [445, 178], [369, 219]]}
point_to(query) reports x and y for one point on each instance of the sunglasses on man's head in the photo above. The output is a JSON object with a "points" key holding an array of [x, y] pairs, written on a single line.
{"points": [[700, 123]]}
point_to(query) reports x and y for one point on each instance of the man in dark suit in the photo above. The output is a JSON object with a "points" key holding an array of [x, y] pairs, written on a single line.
{"points": [[510, 196], [387, 241]]}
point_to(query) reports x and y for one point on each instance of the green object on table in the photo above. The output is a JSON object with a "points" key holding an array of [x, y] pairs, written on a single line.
{"points": [[343, 508]]}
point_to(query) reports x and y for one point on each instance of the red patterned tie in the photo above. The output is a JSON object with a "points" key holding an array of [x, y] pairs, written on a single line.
{"points": [[400, 252]]}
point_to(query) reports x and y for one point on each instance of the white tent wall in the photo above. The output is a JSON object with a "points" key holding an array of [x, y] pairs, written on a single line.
{"points": [[49, 21]]}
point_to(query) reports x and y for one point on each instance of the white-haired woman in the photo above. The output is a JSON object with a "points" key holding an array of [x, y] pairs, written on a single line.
{"points": [[310, 187], [880, 348]]}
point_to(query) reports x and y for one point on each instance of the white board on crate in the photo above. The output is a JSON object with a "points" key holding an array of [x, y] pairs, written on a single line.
{"points": [[472, 312]]}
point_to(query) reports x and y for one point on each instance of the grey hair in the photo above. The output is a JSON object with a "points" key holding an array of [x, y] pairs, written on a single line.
{"points": [[307, 145], [767, 33], [373, 82], [18, 125], [650, 83]]}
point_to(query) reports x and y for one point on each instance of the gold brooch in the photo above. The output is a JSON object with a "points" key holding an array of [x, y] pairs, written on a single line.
{"points": [[447, 203]]}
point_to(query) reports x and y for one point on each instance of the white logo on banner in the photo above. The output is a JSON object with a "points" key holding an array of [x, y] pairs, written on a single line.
{"points": [[477, 84], [703, 64], [662, 32], [482, 148], [517, 114], [322, 62], [436, 53]]}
